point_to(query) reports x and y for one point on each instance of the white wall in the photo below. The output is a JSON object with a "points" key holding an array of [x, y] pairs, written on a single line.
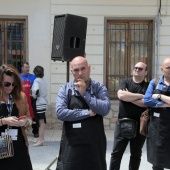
{"points": [[40, 30], [96, 11], [39, 47]]}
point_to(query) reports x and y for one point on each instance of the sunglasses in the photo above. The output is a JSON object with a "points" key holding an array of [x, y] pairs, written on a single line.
{"points": [[138, 68], [7, 84], [168, 68]]}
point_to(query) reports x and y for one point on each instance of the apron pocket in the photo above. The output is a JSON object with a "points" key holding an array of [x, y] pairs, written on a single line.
{"points": [[81, 132]]}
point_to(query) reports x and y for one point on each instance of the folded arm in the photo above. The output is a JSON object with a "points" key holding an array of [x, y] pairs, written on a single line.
{"points": [[127, 96], [62, 111], [134, 98], [150, 99], [99, 103]]}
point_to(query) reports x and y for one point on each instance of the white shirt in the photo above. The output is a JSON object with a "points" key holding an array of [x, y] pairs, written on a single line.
{"points": [[39, 84]]}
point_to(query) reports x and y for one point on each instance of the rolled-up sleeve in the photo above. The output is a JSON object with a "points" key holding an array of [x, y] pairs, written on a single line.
{"points": [[99, 103], [148, 100]]}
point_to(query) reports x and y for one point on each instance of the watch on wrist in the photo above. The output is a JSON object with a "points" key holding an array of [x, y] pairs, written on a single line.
{"points": [[159, 97]]}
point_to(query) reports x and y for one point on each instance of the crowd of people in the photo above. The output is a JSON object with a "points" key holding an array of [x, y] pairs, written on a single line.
{"points": [[81, 105]]}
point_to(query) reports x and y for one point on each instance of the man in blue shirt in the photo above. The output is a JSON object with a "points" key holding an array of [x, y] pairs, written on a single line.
{"points": [[81, 105], [157, 97], [27, 82]]}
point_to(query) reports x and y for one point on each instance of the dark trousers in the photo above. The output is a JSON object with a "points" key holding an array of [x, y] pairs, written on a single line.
{"points": [[119, 147], [35, 128], [157, 168]]}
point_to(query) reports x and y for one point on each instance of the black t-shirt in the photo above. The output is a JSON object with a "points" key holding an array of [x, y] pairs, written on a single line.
{"points": [[128, 109]]}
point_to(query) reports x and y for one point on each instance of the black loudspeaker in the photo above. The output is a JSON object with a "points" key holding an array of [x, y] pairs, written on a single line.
{"points": [[69, 37]]}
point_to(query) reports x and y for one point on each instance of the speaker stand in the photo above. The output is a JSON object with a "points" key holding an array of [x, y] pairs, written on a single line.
{"points": [[68, 69]]}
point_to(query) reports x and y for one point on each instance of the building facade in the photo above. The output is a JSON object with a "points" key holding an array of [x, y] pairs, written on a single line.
{"points": [[119, 34]]}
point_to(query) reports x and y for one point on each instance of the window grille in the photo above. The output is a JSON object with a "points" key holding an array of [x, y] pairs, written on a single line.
{"points": [[127, 42], [12, 42]]}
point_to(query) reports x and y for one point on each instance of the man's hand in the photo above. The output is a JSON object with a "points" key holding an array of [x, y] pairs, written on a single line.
{"points": [[164, 98], [81, 86], [155, 96], [124, 89], [92, 113]]}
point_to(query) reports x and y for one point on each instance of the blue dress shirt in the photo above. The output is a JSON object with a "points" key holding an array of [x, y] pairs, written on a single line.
{"points": [[148, 100], [96, 96]]}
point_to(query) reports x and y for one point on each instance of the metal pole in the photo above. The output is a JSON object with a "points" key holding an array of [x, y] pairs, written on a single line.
{"points": [[68, 69], [51, 163]]}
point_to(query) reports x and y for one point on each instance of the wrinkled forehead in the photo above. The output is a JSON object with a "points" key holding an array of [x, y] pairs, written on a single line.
{"points": [[78, 64], [26, 66], [166, 63], [141, 65]]}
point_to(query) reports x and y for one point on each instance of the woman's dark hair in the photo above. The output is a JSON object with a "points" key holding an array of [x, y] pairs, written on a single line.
{"points": [[10, 70], [39, 71]]}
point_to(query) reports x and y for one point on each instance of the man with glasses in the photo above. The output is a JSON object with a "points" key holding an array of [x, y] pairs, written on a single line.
{"points": [[157, 97], [131, 93]]}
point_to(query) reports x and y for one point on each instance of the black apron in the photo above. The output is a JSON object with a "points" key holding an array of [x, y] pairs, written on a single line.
{"points": [[158, 139], [83, 148]]}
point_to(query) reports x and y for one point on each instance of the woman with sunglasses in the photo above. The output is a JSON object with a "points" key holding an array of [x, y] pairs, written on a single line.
{"points": [[14, 114]]}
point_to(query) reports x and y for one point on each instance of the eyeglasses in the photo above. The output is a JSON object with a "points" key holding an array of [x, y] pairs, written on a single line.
{"points": [[7, 84], [138, 68], [168, 68]]}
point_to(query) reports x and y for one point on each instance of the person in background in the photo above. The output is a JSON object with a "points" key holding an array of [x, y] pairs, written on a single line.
{"points": [[27, 82], [131, 105], [81, 105], [39, 92], [157, 97], [13, 105]]}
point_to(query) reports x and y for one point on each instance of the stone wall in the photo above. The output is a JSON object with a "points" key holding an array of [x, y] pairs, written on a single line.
{"points": [[109, 120]]}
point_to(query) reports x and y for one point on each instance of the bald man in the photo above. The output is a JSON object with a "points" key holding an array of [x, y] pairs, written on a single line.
{"points": [[157, 97], [131, 93], [81, 105]]}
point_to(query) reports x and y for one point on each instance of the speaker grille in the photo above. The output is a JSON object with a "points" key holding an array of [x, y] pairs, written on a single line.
{"points": [[58, 37], [69, 36]]}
